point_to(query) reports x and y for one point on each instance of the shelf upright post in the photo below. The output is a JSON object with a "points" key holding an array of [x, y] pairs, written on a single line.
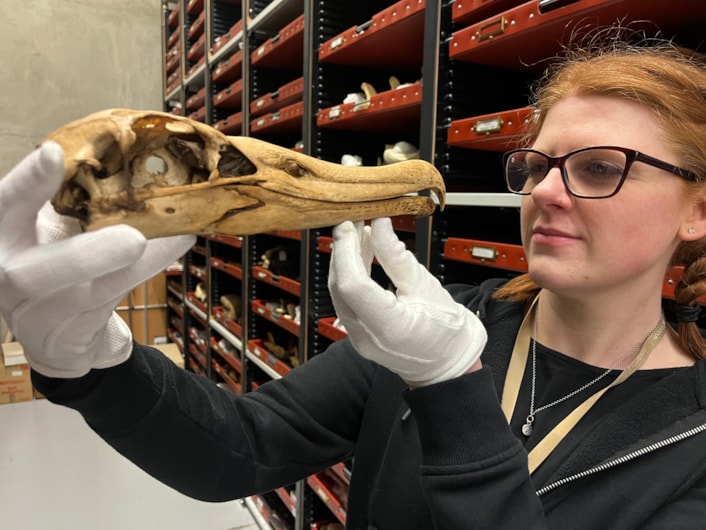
{"points": [[427, 134], [247, 251], [307, 324]]}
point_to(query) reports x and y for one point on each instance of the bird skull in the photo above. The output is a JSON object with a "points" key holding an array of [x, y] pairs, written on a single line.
{"points": [[167, 175]]}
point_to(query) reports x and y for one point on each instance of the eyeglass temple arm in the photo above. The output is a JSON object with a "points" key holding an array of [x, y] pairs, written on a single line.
{"points": [[647, 159]]}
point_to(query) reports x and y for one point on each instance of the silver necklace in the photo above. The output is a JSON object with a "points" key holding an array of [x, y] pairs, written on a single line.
{"points": [[527, 427]]}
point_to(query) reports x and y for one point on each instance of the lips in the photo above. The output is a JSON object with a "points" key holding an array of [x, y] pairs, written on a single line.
{"points": [[548, 235]]}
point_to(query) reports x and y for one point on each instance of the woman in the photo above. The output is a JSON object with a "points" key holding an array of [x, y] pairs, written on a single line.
{"points": [[583, 411]]}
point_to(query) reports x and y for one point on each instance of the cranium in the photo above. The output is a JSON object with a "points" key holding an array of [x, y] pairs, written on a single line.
{"points": [[167, 175]]}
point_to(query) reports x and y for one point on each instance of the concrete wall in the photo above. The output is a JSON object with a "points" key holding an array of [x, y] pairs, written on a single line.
{"points": [[63, 59]]}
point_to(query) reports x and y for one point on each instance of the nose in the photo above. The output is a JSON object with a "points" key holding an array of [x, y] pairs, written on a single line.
{"points": [[551, 189]]}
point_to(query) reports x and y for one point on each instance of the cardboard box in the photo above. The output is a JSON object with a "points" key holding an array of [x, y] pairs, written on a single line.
{"points": [[172, 351], [15, 380], [145, 330], [144, 310]]}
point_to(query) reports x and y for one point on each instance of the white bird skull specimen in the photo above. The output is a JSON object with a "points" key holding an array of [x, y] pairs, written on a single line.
{"points": [[167, 175]]}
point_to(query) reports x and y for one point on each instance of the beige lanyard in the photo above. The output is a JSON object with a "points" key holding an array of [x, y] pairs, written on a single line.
{"points": [[516, 370]]}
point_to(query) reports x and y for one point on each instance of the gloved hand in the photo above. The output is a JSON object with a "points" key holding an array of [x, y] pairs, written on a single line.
{"points": [[419, 332], [59, 287]]}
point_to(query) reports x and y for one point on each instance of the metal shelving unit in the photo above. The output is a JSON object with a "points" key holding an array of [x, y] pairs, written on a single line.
{"points": [[332, 48]]}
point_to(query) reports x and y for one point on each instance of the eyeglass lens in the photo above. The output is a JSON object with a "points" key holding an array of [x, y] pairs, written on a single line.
{"points": [[587, 173]]}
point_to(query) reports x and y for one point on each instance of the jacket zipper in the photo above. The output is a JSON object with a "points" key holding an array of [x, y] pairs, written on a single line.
{"points": [[626, 458]]}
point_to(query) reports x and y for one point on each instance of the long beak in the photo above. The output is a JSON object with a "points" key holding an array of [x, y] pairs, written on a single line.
{"points": [[285, 171], [296, 191]]}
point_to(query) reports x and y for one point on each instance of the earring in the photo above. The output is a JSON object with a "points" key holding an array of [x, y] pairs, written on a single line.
{"points": [[691, 231]]}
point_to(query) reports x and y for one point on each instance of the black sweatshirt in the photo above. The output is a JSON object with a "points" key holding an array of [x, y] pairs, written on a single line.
{"points": [[453, 463]]}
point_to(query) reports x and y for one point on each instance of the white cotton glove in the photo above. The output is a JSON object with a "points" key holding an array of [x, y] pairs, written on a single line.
{"points": [[59, 287], [419, 332]]}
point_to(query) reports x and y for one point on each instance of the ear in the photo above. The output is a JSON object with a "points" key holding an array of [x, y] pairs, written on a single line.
{"points": [[694, 225]]}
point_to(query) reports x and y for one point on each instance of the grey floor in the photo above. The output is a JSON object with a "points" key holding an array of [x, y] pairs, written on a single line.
{"points": [[56, 474]]}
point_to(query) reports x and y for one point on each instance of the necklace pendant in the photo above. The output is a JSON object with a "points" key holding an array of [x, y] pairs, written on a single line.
{"points": [[527, 427]]}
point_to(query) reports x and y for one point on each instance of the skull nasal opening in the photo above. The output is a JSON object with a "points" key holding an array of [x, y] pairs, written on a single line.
{"points": [[233, 163]]}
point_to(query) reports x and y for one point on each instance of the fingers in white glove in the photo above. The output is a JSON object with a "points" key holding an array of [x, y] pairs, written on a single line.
{"points": [[392, 254], [92, 255], [58, 286], [408, 275], [347, 236], [34, 180], [367, 252], [360, 302], [23, 191], [351, 263], [90, 335], [158, 254], [420, 332]]}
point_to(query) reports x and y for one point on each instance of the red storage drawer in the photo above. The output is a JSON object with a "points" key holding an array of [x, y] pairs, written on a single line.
{"points": [[173, 18], [199, 115], [197, 100], [326, 328], [283, 96], [394, 36], [221, 40], [232, 125], [197, 66], [286, 120], [470, 11], [172, 59], [526, 35], [284, 283], [173, 39], [257, 348], [285, 50], [194, 6], [196, 28], [392, 110], [173, 82], [487, 253], [230, 97], [499, 131], [196, 50], [229, 69]]}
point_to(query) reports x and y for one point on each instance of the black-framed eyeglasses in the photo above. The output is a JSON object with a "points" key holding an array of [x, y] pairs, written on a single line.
{"points": [[589, 173]]}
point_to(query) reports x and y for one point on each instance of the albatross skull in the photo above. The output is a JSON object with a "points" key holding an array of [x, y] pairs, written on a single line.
{"points": [[167, 175]]}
